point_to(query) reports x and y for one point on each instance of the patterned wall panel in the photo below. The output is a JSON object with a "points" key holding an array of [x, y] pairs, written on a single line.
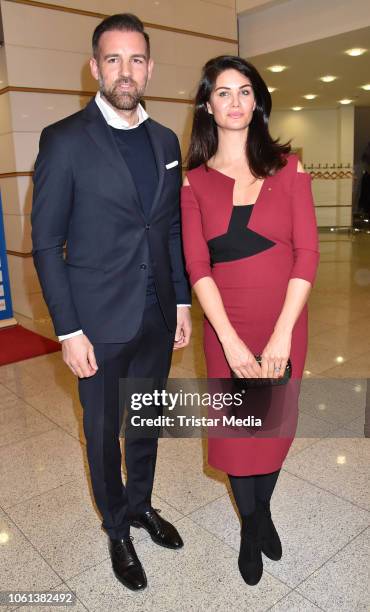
{"points": [[44, 76]]}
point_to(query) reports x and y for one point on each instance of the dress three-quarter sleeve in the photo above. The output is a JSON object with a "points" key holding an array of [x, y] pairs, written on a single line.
{"points": [[304, 232], [195, 246]]}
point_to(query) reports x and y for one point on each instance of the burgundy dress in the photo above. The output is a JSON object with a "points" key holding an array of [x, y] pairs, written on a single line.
{"points": [[251, 255]]}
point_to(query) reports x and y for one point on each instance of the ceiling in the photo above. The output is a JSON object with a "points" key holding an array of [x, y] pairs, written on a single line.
{"points": [[248, 6], [307, 62]]}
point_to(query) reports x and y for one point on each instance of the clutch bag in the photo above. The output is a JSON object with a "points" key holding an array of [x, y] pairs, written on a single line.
{"points": [[264, 382]]}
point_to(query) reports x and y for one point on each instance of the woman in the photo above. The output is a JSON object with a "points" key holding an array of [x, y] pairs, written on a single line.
{"points": [[251, 250]]}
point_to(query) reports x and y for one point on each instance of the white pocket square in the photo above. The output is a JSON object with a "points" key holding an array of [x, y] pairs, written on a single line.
{"points": [[172, 164]]}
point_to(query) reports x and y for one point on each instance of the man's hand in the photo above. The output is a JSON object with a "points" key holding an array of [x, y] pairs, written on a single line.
{"points": [[78, 354], [183, 328]]}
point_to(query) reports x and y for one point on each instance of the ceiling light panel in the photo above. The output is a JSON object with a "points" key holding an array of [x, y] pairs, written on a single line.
{"points": [[328, 78], [356, 51], [277, 68]]}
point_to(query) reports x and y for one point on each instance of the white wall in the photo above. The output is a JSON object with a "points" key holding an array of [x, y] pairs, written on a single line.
{"points": [[346, 130], [326, 137]]}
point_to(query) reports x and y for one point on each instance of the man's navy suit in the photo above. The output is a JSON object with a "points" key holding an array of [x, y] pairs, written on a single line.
{"points": [[84, 194], [85, 197]]}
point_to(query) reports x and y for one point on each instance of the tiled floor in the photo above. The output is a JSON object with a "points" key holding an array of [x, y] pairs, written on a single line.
{"points": [[50, 535]]}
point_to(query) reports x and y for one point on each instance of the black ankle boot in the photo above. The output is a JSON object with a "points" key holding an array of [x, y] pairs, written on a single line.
{"points": [[250, 558], [269, 537]]}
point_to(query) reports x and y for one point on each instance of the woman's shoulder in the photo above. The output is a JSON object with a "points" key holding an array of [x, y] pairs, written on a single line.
{"points": [[194, 175], [293, 164], [292, 168], [198, 171]]}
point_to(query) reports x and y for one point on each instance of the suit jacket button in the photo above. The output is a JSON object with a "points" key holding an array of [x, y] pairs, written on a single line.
{"points": [[147, 227], [142, 266]]}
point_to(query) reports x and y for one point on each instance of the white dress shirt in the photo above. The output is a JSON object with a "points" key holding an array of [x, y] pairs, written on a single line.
{"points": [[116, 121]]}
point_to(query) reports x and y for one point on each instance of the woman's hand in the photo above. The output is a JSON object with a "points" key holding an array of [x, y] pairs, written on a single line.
{"points": [[275, 355], [240, 358]]}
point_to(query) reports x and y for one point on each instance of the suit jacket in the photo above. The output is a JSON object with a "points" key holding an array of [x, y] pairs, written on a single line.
{"points": [[85, 197]]}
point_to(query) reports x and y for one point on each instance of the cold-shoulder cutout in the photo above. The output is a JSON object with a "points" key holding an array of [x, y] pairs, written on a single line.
{"points": [[300, 168], [185, 182]]}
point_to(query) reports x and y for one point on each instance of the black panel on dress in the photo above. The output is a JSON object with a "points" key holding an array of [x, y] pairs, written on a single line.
{"points": [[239, 241]]}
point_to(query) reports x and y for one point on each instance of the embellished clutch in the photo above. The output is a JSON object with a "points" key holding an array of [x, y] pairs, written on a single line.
{"points": [[264, 382]]}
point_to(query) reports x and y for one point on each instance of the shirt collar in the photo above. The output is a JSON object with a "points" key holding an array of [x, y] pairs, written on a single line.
{"points": [[113, 119]]}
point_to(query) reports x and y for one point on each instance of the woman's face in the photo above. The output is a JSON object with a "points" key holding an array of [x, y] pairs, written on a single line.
{"points": [[232, 100]]}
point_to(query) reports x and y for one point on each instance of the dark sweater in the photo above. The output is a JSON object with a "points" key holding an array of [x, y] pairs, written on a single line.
{"points": [[136, 149]]}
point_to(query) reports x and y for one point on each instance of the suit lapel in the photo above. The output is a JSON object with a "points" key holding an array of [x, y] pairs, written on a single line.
{"points": [[100, 133], [160, 161]]}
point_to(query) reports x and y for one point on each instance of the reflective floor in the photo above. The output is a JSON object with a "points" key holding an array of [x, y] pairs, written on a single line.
{"points": [[50, 536]]}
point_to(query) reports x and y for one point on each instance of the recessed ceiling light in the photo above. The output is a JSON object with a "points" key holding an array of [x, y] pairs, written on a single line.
{"points": [[328, 78], [181, 92], [345, 101], [366, 87], [271, 89], [296, 108], [356, 51], [310, 96], [276, 68]]}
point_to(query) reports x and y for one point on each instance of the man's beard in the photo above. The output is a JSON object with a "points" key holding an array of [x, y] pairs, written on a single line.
{"points": [[122, 100]]}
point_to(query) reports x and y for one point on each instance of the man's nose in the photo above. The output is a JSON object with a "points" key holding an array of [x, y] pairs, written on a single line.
{"points": [[125, 70]]}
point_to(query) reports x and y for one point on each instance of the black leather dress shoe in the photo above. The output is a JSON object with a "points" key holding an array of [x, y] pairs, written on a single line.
{"points": [[160, 530], [270, 541], [126, 565]]}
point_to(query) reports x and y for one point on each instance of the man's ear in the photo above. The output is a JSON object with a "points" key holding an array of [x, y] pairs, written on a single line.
{"points": [[150, 68], [94, 68]]}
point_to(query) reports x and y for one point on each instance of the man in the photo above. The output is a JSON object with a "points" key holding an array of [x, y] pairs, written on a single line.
{"points": [[106, 183]]}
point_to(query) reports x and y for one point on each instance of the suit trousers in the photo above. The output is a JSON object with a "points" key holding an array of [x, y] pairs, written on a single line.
{"points": [[147, 355]]}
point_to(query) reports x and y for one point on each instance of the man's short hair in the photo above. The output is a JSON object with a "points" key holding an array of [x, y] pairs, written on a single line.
{"points": [[124, 22]]}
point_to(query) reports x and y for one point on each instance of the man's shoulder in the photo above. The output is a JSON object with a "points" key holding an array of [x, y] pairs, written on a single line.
{"points": [[163, 131], [68, 125]]}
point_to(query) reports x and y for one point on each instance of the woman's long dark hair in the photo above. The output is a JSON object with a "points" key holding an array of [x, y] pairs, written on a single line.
{"points": [[265, 155]]}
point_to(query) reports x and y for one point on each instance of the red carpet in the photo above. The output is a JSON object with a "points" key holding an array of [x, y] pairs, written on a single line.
{"points": [[18, 343]]}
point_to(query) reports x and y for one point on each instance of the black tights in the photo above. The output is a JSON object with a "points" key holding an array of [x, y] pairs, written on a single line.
{"points": [[248, 489]]}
